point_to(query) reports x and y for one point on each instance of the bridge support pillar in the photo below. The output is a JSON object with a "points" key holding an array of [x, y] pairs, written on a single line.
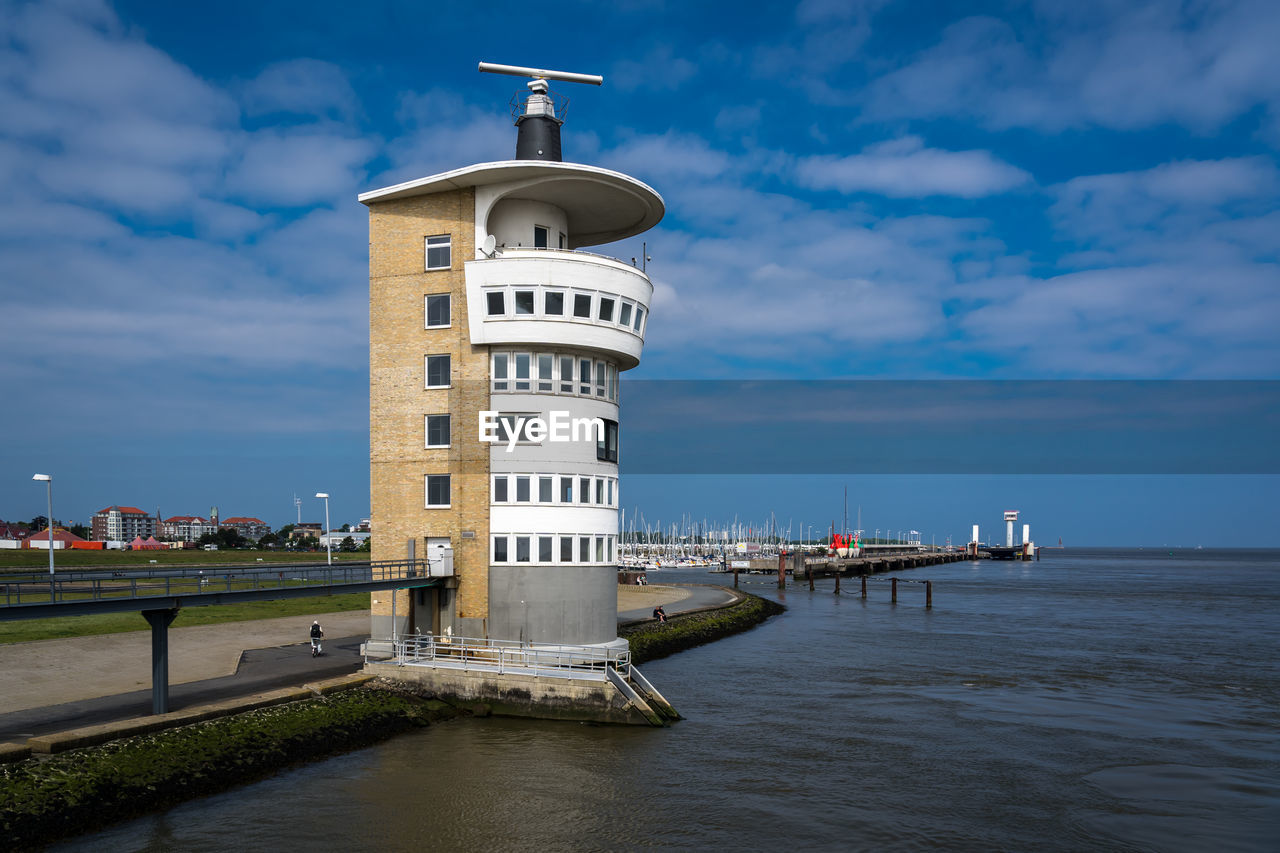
{"points": [[159, 620]]}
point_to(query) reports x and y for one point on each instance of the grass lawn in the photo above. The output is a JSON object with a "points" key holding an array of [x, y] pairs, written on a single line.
{"points": [[35, 560], [25, 630]]}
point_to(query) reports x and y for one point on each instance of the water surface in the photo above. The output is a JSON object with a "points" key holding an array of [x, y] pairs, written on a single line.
{"points": [[1104, 700]]}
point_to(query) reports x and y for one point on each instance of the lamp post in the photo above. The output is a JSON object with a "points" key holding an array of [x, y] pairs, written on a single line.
{"points": [[47, 479], [328, 542]]}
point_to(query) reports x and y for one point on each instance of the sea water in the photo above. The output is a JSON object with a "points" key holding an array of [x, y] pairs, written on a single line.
{"points": [[1093, 700]]}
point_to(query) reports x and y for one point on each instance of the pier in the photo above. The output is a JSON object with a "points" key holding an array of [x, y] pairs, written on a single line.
{"points": [[880, 559]]}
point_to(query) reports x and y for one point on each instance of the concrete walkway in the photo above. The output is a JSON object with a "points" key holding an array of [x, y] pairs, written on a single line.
{"points": [[57, 672]]}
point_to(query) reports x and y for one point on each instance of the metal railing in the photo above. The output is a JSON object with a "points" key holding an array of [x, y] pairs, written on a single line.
{"points": [[580, 252], [17, 590], [507, 656]]}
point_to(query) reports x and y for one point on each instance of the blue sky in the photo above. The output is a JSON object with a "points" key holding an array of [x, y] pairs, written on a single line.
{"points": [[1046, 190]]}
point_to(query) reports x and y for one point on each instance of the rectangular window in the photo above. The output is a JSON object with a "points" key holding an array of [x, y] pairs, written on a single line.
{"points": [[639, 318], [607, 445], [496, 301], [546, 369], [611, 481], [506, 425], [582, 305], [599, 490], [500, 371], [584, 549], [601, 384], [566, 549], [606, 309], [584, 490], [608, 554], [438, 255], [599, 549], [437, 430], [437, 490], [522, 549], [584, 376], [522, 489], [563, 241], [553, 303], [566, 490], [500, 490], [523, 361], [499, 549], [611, 377], [545, 552], [566, 374], [546, 490], [438, 311], [437, 371], [540, 236], [624, 314], [524, 302]]}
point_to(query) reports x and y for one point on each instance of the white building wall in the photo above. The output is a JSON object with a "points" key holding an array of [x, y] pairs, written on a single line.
{"points": [[512, 220]]}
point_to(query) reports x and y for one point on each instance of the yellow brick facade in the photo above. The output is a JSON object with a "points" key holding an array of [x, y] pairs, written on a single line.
{"points": [[398, 401]]}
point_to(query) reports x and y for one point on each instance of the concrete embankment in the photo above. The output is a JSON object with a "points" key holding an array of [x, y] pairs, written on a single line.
{"points": [[650, 640]]}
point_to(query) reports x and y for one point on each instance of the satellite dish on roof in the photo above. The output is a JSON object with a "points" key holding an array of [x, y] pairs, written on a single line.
{"points": [[489, 245]]}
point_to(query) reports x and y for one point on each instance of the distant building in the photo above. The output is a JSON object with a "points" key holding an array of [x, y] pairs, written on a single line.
{"points": [[12, 535], [122, 523], [305, 529], [62, 539], [185, 528], [12, 530], [334, 539], [363, 526], [248, 527]]}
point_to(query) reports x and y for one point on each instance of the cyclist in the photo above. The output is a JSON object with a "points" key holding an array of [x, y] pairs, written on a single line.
{"points": [[317, 634]]}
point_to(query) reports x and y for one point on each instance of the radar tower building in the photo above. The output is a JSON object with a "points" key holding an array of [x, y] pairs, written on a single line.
{"points": [[482, 306]]}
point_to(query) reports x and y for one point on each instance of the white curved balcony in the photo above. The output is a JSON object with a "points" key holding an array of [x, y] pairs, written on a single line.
{"points": [[606, 282]]}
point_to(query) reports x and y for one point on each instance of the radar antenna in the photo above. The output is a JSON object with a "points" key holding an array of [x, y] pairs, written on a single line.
{"points": [[539, 116]]}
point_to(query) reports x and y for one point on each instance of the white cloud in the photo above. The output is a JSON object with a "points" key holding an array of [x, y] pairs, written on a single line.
{"points": [[1181, 210], [298, 166], [671, 156], [125, 172], [301, 86], [1122, 66], [904, 168], [1155, 320]]}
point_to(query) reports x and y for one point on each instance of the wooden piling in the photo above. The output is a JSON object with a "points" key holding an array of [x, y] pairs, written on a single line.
{"points": [[837, 580], [864, 586], [782, 572], [928, 594], [893, 584], [809, 571]]}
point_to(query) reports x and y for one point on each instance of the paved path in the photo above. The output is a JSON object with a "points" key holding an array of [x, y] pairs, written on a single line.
{"points": [[54, 685]]}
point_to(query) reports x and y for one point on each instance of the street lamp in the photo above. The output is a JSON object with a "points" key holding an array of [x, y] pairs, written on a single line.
{"points": [[328, 542], [47, 479]]}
